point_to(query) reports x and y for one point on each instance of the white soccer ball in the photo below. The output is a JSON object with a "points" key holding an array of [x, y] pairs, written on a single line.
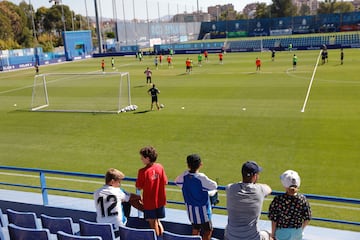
{"points": [[15, 105], [162, 105]]}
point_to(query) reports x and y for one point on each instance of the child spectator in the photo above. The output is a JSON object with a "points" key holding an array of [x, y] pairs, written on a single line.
{"points": [[196, 188], [290, 212], [109, 198], [152, 181]]}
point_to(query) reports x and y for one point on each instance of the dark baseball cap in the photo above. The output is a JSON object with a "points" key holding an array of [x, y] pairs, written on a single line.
{"points": [[250, 168]]}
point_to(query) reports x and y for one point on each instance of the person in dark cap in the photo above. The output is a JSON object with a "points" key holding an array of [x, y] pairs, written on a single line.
{"points": [[196, 188], [244, 203]]}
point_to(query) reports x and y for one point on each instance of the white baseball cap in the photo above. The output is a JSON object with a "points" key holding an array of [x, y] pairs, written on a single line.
{"points": [[290, 178]]}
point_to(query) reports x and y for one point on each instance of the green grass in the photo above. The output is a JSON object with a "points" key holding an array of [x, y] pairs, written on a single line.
{"points": [[322, 143]]}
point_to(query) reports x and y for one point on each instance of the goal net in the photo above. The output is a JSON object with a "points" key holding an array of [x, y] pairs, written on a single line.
{"points": [[82, 92]]}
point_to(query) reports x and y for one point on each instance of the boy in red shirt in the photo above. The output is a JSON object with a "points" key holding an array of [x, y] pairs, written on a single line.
{"points": [[152, 181]]}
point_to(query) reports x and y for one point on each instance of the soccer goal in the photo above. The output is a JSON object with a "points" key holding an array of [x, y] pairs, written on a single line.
{"points": [[82, 92]]}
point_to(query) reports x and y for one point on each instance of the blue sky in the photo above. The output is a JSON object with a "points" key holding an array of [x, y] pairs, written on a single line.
{"points": [[155, 7]]}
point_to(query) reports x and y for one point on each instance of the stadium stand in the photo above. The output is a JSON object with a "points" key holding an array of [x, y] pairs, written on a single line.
{"points": [[176, 220], [2, 237], [173, 236], [65, 236], [21, 233], [103, 230], [55, 224], [136, 233], [22, 219], [2, 220]]}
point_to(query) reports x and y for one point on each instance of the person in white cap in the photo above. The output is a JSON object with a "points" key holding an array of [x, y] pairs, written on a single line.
{"points": [[290, 212]]}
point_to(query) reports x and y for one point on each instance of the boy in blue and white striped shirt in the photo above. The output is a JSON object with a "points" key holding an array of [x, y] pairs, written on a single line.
{"points": [[195, 188]]}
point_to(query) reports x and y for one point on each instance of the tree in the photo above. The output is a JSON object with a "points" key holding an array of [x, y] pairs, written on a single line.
{"points": [[240, 16], [283, 8], [335, 7], [262, 11], [14, 24], [343, 7], [326, 7], [5, 24], [40, 18], [304, 10], [18, 25]]}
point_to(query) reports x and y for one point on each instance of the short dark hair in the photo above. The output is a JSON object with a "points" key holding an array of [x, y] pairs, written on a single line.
{"points": [[193, 162], [149, 152]]}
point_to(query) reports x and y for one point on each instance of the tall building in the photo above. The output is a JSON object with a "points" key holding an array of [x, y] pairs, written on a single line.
{"points": [[312, 4], [356, 4], [192, 17], [216, 11]]}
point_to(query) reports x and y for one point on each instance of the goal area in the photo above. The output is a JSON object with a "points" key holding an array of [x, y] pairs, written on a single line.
{"points": [[82, 92]]}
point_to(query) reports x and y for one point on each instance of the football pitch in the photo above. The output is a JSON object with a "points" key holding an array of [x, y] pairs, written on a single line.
{"points": [[228, 113]]}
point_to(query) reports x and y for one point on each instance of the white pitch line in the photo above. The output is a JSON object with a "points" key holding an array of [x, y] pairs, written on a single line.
{"points": [[311, 81], [16, 89]]}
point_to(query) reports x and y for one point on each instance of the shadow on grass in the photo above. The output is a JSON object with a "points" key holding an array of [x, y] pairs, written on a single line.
{"points": [[183, 74], [145, 111]]}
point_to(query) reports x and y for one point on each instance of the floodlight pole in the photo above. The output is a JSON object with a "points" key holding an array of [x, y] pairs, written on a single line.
{"points": [[98, 27], [126, 38], [133, 3], [148, 23], [33, 22], [87, 15]]}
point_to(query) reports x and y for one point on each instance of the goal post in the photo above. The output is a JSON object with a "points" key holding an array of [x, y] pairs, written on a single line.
{"points": [[82, 92]]}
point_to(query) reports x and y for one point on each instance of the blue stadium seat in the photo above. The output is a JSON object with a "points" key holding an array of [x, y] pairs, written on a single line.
{"points": [[129, 233], [21, 233], [2, 219], [103, 230], [55, 224], [2, 237], [65, 236], [173, 236], [22, 219]]}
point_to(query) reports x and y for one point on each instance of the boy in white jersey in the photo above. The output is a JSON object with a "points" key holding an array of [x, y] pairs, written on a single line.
{"points": [[109, 198]]}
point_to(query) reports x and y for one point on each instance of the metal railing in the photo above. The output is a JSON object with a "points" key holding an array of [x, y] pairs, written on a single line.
{"points": [[44, 190]]}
